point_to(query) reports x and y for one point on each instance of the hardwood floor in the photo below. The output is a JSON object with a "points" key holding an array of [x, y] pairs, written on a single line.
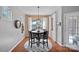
{"points": [[20, 46], [56, 47]]}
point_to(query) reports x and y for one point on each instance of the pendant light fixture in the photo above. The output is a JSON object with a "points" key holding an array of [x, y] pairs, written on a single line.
{"points": [[38, 12], [38, 19]]}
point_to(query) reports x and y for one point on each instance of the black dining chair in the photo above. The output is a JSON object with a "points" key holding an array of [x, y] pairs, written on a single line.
{"points": [[45, 38], [39, 38], [32, 37]]}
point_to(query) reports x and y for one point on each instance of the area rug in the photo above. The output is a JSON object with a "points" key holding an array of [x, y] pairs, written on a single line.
{"points": [[35, 48]]}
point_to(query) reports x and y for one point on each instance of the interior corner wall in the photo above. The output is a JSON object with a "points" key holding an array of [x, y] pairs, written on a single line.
{"points": [[54, 26], [26, 26], [56, 36], [59, 27], [50, 34]]}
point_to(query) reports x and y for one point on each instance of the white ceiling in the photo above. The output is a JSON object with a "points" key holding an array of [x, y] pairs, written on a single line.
{"points": [[33, 10]]}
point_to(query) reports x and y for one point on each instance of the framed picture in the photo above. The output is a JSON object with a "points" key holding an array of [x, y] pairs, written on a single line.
{"points": [[6, 13]]}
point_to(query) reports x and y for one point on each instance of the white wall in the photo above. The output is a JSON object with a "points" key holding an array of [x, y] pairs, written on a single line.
{"points": [[9, 35], [56, 36], [59, 28], [50, 32], [54, 26]]}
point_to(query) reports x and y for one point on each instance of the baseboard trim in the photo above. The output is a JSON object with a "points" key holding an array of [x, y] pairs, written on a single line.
{"points": [[49, 37], [56, 41], [52, 38], [60, 43], [16, 44]]}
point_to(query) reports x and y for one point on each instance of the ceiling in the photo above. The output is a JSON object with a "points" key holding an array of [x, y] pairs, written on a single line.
{"points": [[33, 10]]}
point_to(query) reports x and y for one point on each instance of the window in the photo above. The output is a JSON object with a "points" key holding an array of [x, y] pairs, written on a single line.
{"points": [[40, 24], [37, 24], [34, 24]]}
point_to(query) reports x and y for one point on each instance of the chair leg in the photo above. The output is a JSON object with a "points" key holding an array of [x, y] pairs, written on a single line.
{"points": [[38, 43], [43, 43], [47, 43], [31, 43]]}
